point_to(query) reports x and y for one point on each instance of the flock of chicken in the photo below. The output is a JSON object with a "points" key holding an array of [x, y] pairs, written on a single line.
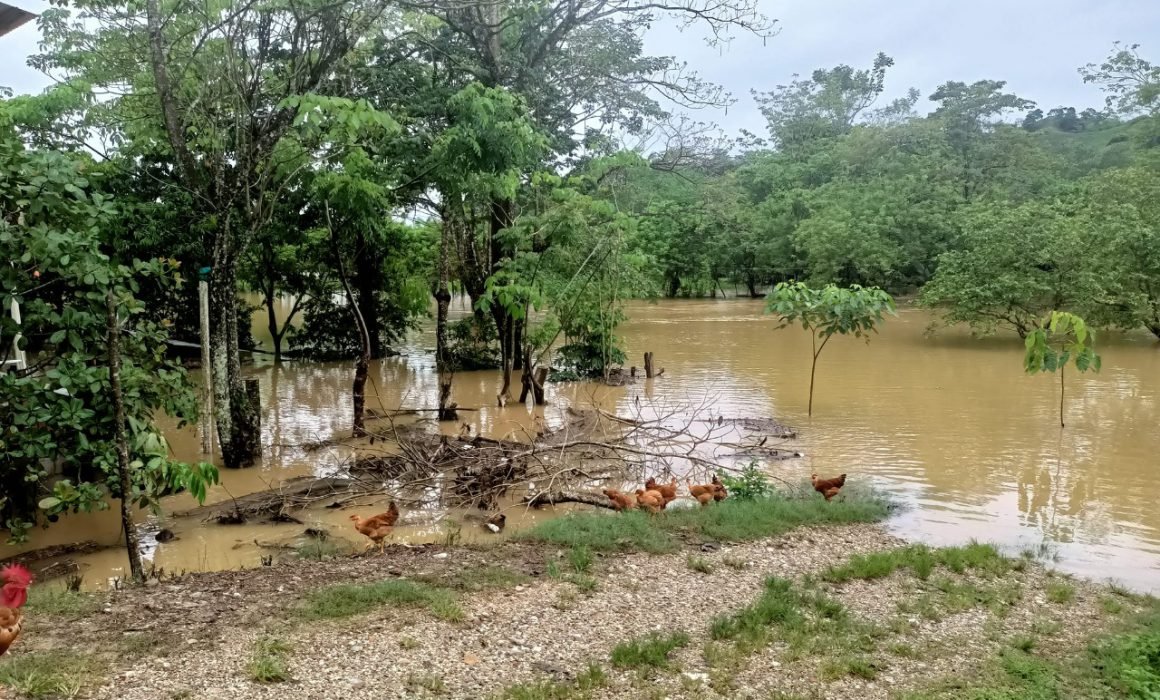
{"points": [[654, 497]]}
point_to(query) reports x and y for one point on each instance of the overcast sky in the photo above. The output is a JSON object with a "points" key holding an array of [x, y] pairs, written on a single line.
{"points": [[1035, 45]]}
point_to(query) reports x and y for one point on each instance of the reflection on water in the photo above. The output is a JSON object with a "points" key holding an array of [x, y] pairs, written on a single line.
{"points": [[948, 424]]}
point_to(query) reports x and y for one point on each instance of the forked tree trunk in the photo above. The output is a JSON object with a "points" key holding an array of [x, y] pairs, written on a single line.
{"points": [[121, 441], [237, 421]]}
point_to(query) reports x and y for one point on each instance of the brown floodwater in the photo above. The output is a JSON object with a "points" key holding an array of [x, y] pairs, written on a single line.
{"points": [[946, 424]]}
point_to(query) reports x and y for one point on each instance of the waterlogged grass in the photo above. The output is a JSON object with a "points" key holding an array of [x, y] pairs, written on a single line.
{"points": [[650, 651], [48, 674], [728, 521], [921, 561], [355, 599]]}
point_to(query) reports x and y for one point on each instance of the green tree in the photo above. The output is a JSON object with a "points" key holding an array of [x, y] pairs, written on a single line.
{"points": [[827, 312], [216, 93], [1060, 338], [1017, 263], [1124, 206], [79, 422]]}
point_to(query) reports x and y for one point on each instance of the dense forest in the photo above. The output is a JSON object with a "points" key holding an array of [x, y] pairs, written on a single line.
{"points": [[367, 161]]}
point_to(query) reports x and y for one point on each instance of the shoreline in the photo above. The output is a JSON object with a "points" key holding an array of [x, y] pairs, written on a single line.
{"points": [[858, 614]]}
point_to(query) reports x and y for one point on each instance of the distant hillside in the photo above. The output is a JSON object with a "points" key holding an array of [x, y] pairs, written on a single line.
{"points": [[1111, 147]]}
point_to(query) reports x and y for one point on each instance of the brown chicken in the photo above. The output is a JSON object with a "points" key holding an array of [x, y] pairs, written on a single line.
{"points": [[652, 501], [668, 491], [621, 500], [702, 492], [719, 492], [828, 487], [379, 527], [13, 594]]}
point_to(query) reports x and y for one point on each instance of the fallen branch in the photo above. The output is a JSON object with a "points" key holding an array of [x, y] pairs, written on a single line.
{"points": [[548, 498]]}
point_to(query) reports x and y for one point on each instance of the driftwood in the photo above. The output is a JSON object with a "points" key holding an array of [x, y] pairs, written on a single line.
{"points": [[276, 502], [548, 498], [56, 550]]}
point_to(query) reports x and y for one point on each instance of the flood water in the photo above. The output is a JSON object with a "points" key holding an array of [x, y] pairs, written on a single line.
{"points": [[946, 424]]}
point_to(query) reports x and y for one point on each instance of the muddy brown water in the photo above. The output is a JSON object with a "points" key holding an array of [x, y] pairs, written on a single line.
{"points": [[948, 425]]}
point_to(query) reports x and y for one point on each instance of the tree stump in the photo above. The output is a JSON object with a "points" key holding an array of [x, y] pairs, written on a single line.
{"points": [[648, 365]]}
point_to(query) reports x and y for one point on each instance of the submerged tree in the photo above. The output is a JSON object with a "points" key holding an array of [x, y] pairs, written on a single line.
{"points": [[1061, 337], [827, 312]]}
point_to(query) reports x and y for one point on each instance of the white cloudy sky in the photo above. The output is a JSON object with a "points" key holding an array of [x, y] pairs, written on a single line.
{"points": [[1035, 45]]}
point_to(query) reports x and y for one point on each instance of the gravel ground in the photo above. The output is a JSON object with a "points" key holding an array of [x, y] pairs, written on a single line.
{"points": [[207, 626], [543, 630]]}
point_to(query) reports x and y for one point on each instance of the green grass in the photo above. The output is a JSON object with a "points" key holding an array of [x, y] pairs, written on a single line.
{"points": [[699, 564], [54, 600], [415, 682], [650, 651], [355, 599], [49, 674], [480, 578], [1123, 663], [268, 662], [727, 521], [921, 561], [1060, 592], [591, 679]]}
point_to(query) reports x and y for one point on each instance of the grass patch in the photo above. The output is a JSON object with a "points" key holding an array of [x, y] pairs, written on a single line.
{"points": [[481, 578], [921, 561], [1124, 663], [268, 663], [699, 564], [415, 682], [728, 521], [354, 599], [54, 600], [650, 651], [735, 563], [1060, 592], [591, 679], [49, 674], [859, 666]]}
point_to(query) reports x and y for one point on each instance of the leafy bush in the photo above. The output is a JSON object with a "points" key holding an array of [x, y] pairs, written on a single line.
{"points": [[750, 485]]}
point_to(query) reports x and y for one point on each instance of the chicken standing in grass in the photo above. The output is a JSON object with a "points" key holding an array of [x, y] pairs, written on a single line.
{"points": [[377, 528], [719, 492], [652, 501], [621, 500], [13, 595], [828, 487]]}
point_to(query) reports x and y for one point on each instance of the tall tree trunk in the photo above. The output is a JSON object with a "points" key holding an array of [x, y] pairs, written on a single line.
{"points": [[443, 302], [358, 389], [132, 543], [366, 279], [239, 434], [272, 323]]}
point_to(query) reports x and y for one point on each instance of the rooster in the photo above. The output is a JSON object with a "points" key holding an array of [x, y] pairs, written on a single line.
{"points": [[13, 594], [719, 492], [377, 528], [828, 487]]}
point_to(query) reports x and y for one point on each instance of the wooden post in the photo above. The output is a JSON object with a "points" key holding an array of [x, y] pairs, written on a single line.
{"points": [[648, 365], [207, 428], [539, 380]]}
